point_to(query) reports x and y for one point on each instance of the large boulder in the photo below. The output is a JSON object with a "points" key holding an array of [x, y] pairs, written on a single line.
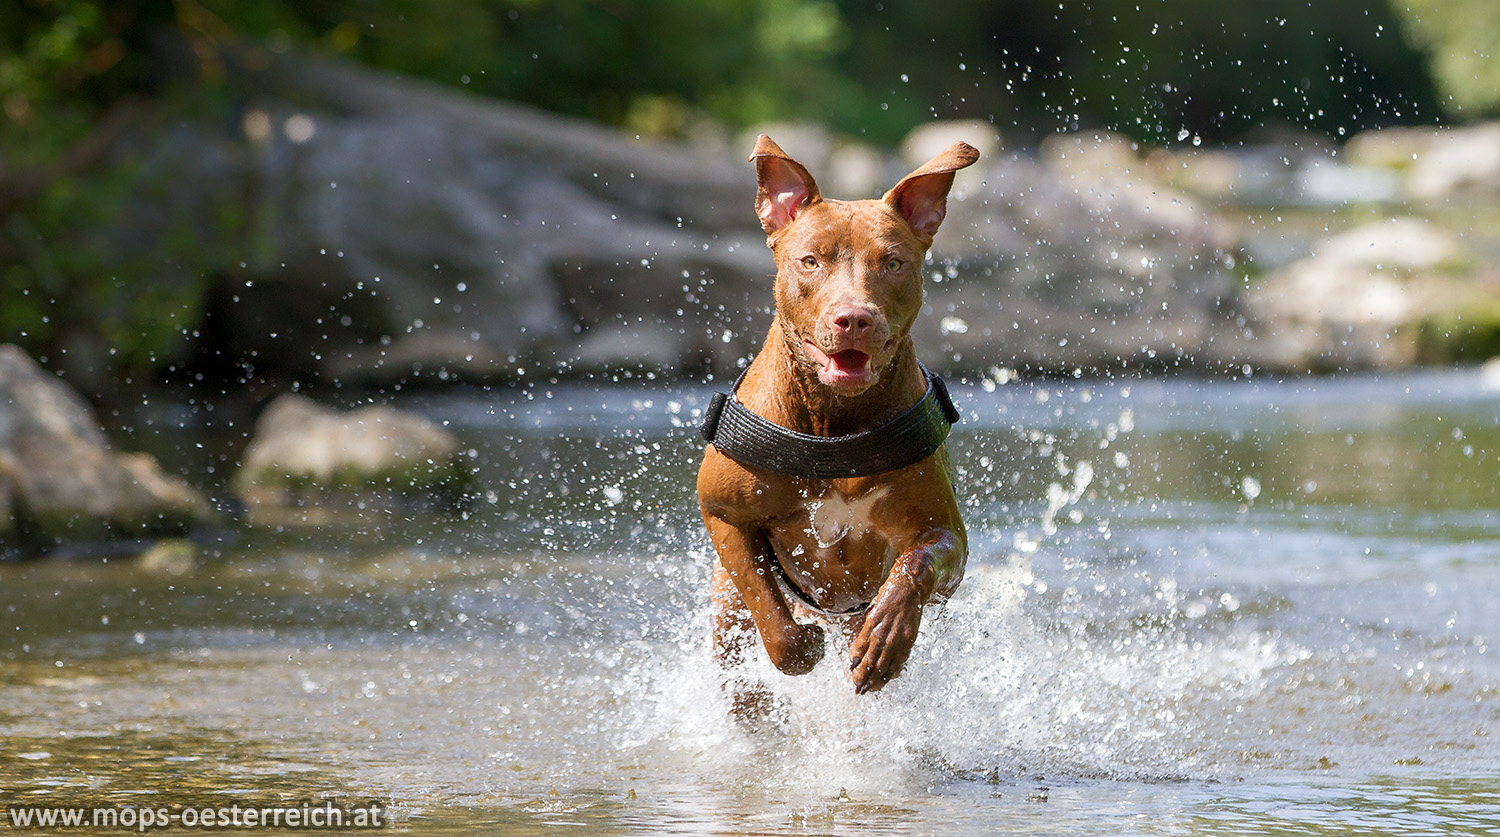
{"points": [[406, 230], [423, 231], [61, 481], [415, 230], [311, 460]]}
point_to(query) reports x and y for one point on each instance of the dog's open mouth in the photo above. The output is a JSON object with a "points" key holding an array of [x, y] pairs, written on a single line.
{"points": [[849, 362], [844, 368]]}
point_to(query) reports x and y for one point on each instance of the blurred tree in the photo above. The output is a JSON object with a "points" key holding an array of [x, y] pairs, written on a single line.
{"points": [[874, 68], [1151, 69], [1158, 70], [648, 65], [78, 264], [1463, 38]]}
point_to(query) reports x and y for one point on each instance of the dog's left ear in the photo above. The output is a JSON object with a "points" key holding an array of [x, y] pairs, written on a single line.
{"points": [[922, 196]]}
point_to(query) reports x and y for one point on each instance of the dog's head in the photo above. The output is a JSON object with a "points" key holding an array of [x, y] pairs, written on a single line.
{"points": [[849, 273]]}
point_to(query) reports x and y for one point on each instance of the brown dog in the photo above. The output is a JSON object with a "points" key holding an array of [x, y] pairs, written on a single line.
{"points": [[826, 480]]}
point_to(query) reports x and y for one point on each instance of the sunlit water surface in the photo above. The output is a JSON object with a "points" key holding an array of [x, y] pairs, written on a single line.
{"points": [[1191, 607]]}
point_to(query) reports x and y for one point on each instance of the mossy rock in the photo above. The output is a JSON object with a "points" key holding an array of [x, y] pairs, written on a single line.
{"points": [[62, 483], [305, 456], [1468, 335]]}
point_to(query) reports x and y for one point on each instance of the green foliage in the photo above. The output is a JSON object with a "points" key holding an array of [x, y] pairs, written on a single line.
{"points": [[1468, 336], [646, 64], [1463, 39], [41, 56], [62, 65], [96, 246], [105, 256], [1151, 69], [63, 62]]}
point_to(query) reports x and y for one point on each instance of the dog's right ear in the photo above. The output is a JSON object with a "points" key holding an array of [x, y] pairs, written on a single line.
{"points": [[783, 186]]}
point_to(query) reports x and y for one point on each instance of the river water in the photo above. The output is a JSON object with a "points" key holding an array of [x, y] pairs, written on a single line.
{"points": [[1191, 607]]}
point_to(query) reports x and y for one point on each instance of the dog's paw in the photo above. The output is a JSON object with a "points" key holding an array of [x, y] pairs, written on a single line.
{"points": [[798, 650], [885, 640], [756, 709]]}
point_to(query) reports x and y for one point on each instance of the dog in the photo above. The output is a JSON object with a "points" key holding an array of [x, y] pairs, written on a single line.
{"points": [[825, 487]]}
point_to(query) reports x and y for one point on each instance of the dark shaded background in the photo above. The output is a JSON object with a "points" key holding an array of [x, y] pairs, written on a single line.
{"points": [[79, 78]]}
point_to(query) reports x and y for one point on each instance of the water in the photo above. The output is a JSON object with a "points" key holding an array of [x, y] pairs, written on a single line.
{"points": [[1192, 607]]}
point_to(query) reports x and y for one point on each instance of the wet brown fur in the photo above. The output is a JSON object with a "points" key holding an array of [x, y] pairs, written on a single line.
{"points": [[848, 279]]}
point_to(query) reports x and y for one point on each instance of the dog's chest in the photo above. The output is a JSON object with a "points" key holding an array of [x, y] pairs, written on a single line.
{"points": [[833, 516], [829, 529]]}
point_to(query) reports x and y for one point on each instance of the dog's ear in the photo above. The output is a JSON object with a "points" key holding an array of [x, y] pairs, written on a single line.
{"points": [[922, 196], [783, 186]]}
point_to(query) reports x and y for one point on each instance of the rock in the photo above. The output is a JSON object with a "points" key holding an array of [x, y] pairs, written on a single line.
{"points": [[1389, 148], [406, 230], [60, 480], [857, 171], [1384, 295], [930, 139], [1489, 375], [1291, 174], [437, 255], [169, 556], [422, 232], [1396, 243], [1213, 174], [1325, 182], [1458, 160], [416, 230], [1078, 264], [303, 455], [1098, 154], [814, 142], [1436, 163]]}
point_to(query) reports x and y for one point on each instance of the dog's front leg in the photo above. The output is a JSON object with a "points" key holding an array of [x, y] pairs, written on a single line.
{"points": [[884, 641], [794, 648]]}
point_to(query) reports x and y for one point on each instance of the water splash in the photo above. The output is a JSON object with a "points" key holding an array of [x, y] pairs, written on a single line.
{"points": [[1008, 681]]}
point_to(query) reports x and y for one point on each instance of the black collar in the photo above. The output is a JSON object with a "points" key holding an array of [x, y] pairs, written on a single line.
{"points": [[907, 439]]}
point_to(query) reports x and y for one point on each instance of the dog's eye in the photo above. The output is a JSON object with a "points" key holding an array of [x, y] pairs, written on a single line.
{"points": [[810, 262], [893, 265]]}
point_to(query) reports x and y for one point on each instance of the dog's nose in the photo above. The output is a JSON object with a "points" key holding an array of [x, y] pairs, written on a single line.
{"points": [[852, 320]]}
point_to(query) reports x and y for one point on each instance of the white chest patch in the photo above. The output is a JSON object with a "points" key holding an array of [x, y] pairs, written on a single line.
{"points": [[833, 516]]}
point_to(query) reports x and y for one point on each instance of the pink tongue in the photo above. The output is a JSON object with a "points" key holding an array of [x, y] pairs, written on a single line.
{"points": [[849, 360]]}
